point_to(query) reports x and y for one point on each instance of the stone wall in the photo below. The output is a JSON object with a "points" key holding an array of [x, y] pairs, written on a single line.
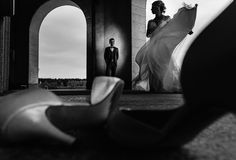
{"points": [[4, 53], [138, 30], [105, 19], [113, 20], [24, 36]]}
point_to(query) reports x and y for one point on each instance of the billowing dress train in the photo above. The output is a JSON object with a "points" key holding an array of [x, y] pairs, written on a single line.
{"points": [[158, 71]]}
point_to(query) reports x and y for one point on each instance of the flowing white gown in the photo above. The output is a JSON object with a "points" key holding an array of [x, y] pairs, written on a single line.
{"points": [[157, 69]]}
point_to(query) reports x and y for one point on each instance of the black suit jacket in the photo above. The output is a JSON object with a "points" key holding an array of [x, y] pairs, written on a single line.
{"points": [[111, 57]]}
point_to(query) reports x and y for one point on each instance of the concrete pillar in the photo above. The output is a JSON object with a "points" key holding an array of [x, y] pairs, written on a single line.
{"points": [[138, 30], [4, 52], [99, 37]]}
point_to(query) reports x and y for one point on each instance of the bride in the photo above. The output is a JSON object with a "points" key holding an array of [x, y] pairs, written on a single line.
{"points": [[157, 69]]}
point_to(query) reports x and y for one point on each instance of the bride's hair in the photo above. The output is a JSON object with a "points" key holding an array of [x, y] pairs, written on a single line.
{"points": [[160, 4]]}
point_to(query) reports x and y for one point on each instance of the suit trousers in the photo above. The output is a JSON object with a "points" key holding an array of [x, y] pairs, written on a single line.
{"points": [[111, 70]]}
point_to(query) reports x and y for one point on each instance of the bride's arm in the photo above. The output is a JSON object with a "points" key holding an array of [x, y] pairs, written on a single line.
{"points": [[161, 25], [152, 28], [149, 30]]}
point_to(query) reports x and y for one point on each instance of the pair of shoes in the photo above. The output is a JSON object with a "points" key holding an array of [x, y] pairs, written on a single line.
{"points": [[29, 114]]}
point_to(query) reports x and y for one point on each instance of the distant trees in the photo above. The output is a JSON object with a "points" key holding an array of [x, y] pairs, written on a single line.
{"points": [[60, 83]]}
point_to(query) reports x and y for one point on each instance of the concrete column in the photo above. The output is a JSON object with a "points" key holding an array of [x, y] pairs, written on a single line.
{"points": [[4, 52], [138, 30], [99, 37]]}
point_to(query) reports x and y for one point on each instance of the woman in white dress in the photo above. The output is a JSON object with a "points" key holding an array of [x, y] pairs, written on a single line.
{"points": [[157, 69]]}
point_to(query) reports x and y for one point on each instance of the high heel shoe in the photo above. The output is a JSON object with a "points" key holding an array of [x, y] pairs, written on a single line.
{"points": [[39, 114], [22, 116]]}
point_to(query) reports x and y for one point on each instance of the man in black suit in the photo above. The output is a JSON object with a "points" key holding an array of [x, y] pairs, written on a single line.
{"points": [[111, 56]]}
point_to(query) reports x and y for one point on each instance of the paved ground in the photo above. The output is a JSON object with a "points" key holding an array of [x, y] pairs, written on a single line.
{"points": [[217, 142]]}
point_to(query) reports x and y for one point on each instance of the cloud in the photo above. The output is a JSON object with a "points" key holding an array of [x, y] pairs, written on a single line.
{"points": [[56, 67], [62, 44], [60, 34]]}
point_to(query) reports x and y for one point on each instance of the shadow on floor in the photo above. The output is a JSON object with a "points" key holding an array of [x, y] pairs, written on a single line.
{"points": [[90, 152]]}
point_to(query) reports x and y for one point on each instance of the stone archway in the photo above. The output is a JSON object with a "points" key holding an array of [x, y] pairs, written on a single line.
{"points": [[35, 24]]}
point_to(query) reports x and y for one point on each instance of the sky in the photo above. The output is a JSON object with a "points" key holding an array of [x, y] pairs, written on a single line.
{"points": [[62, 44], [62, 36]]}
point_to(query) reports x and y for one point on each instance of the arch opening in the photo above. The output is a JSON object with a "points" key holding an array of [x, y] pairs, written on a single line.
{"points": [[58, 42], [62, 44]]}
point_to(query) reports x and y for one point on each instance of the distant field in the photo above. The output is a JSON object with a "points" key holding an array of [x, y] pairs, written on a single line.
{"points": [[57, 83]]}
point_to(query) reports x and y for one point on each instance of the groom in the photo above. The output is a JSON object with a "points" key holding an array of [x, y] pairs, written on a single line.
{"points": [[111, 56]]}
